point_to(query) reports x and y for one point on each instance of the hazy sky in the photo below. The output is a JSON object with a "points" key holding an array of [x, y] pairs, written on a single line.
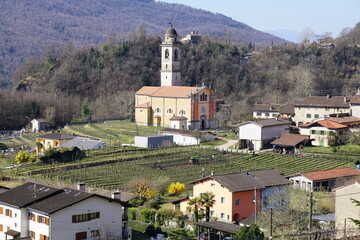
{"points": [[319, 15]]}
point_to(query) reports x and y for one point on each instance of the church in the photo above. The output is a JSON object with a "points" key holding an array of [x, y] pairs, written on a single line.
{"points": [[172, 105]]}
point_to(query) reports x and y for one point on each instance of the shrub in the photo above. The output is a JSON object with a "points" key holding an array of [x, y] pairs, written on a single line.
{"points": [[176, 188], [163, 216], [132, 213], [251, 232], [147, 215], [22, 157], [62, 155]]}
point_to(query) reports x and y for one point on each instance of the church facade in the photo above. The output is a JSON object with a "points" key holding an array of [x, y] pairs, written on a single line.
{"points": [[172, 105]]}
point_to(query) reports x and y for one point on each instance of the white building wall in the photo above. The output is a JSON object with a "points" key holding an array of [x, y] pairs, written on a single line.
{"points": [[264, 114], [184, 140], [36, 227], [13, 222], [250, 131], [345, 209], [110, 221], [355, 110], [274, 131], [302, 182]]}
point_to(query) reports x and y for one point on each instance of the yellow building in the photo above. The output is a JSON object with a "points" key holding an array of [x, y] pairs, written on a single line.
{"points": [[51, 140], [172, 105]]}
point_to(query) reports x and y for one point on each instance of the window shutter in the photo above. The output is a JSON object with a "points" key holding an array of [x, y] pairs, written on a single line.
{"points": [[1, 228], [47, 221], [1, 210], [74, 218], [38, 219], [97, 214], [41, 236], [10, 213]]}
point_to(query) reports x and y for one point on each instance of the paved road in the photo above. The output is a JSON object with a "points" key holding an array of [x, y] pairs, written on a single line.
{"points": [[228, 144]]}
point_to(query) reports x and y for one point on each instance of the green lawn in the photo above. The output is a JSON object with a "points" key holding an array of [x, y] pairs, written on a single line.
{"points": [[351, 148]]}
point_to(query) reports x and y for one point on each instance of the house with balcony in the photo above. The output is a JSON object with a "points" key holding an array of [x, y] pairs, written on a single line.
{"points": [[240, 195], [324, 180], [265, 111], [42, 213], [322, 131]]}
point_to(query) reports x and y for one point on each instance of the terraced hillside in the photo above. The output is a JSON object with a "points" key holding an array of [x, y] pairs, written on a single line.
{"points": [[113, 168]]}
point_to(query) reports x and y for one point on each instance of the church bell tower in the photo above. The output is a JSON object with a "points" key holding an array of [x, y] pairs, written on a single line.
{"points": [[170, 59]]}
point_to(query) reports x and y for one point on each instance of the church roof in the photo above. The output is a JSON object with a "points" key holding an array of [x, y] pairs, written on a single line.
{"points": [[171, 32], [167, 91]]}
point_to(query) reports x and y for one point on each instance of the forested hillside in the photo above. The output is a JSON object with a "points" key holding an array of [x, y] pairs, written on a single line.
{"points": [[27, 28], [99, 82]]}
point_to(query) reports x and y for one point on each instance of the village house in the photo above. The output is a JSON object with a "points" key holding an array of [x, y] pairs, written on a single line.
{"points": [[240, 195], [42, 213], [57, 139], [187, 137], [265, 111], [38, 125], [315, 107], [154, 141], [256, 135], [346, 209], [355, 105], [322, 131], [172, 105], [324, 180]]}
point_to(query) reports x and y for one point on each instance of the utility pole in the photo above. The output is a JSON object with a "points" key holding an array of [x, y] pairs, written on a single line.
{"points": [[255, 203], [310, 212], [271, 222]]}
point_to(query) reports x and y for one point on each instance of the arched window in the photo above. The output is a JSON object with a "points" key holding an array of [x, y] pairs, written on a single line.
{"points": [[175, 54], [170, 111], [182, 112], [203, 97], [166, 53], [157, 110]]}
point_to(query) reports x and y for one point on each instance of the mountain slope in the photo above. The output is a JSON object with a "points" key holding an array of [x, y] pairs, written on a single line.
{"points": [[28, 27]]}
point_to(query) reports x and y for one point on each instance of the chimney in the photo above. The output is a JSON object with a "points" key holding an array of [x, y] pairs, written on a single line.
{"points": [[116, 195], [345, 100], [328, 96], [358, 92], [81, 187], [212, 173]]}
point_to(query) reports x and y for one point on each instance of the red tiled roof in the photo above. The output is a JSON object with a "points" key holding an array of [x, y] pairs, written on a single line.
{"points": [[290, 139], [331, 173], [325, 123], [147, 90], [348, 120], [178, 118]]}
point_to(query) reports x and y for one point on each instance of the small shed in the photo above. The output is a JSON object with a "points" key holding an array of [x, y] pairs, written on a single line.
{"points": [[289, 142], [38, 125], [154, 141], [216, 230]]}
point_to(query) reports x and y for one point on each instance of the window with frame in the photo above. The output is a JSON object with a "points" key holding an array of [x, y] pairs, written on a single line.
{"points": [[31, 234], [322, 133], [316, 116], [222, 200], [157, 110], [258, 114], [85, 217], [267, 114], [212, 213], [182, 112], [170, 111], [32, 216], [308, 115], [212, 185], [222, 215], [203, 97], [237, 202], [95, 233], [42, 219], [312, 131], [327, 109], [8, 212]]}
